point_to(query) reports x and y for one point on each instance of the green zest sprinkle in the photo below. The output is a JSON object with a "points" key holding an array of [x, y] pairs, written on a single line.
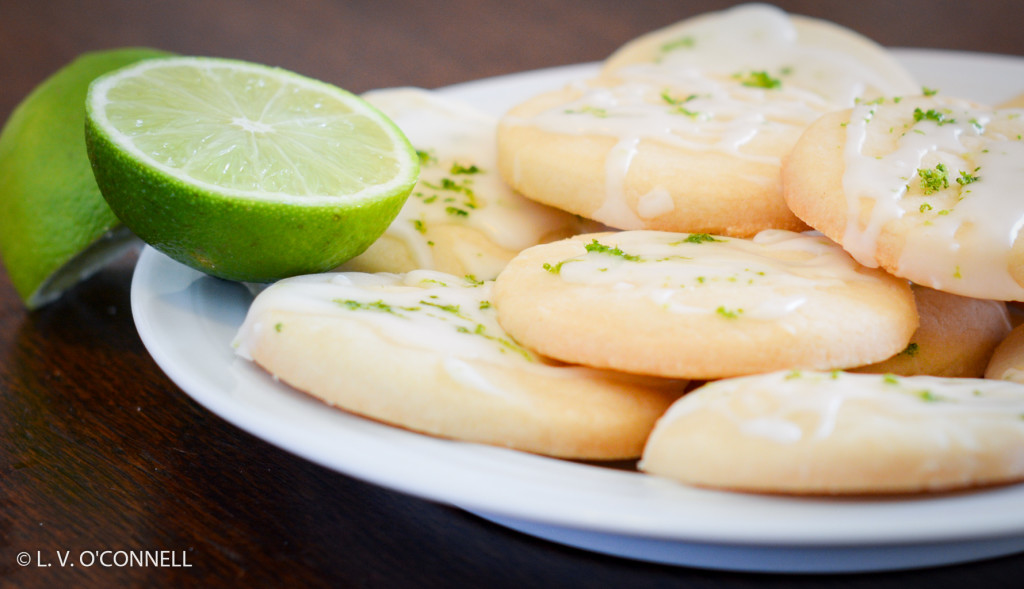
{"points": [[419, 226], [728, 313], [557, 268], [458, 195], [600, 248], [966, 178], [677, 104], [879, 100], [667, 97], [760, 79], [452, 185], [278, 327], [929, 91], [931, 115], [680, 43], [889, 378], [507, 345], [460, 169], [928, 396], [588, 110], [934, 180], [425, 157], [911, 350], [432, 281], [700, 238], [457, 212], [453, 309], [379, 306]]}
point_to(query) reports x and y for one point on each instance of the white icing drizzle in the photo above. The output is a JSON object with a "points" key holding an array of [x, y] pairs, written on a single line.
{"points": [[615, 209], [961, 233], [454, 134], [765, 278], [422, 308], [425, 309], [776, 406], [655, 203]]}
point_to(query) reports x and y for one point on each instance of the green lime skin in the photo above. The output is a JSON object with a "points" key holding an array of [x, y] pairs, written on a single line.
{"points": [[244, 240], [53, 218]]}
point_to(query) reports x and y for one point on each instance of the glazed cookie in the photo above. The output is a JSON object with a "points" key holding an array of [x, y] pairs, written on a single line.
{"points": [[925, 187], [1007, 361], [424, 351], [815, 54], [461, 218], [842, 433], [702, 307], [692, 142], [955, 338]]}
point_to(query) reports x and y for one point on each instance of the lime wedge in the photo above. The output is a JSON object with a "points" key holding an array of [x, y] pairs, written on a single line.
{"points": [[55, 228], [244, 171]]}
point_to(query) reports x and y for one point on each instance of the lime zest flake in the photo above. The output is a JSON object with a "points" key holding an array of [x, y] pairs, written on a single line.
{"points": [[597, 247]]}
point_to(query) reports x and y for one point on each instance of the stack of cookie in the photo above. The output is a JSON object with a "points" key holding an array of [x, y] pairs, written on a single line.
{"points": [[770, 262]]}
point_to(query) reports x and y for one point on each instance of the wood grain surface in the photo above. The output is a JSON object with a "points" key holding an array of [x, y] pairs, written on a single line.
{"points": [[99, 450]]}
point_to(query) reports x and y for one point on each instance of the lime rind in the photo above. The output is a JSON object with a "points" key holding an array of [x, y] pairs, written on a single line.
{"points": [[55, 227], [364, 121]]}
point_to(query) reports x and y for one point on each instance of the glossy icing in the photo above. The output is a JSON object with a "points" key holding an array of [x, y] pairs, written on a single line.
{"points": [[952, 173], [787, 407], [768, 277]]}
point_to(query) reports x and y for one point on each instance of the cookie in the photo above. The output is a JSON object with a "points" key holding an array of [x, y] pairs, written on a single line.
{"points": [[814, 54], [926, 187], [461, 217], [956, 337], [699, 306], [1007, 361], [842, 433], [423, 351], [692, 142]]}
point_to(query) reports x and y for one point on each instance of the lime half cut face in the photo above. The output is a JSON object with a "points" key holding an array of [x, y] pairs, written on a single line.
{"points": [[245, 171]]}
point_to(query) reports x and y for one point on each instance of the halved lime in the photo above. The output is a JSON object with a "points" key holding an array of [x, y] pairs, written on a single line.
{"points": [[244, 171], [55, 228]]}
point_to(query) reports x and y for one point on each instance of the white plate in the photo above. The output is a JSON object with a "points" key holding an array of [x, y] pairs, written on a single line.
{"points": [[187, 320]]}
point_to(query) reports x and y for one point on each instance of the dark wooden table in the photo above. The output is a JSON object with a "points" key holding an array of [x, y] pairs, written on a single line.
{"points": [[100, 451]]}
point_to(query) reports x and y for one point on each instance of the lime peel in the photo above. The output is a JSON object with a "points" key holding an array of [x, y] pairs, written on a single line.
{"points": [[55, 227]]}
